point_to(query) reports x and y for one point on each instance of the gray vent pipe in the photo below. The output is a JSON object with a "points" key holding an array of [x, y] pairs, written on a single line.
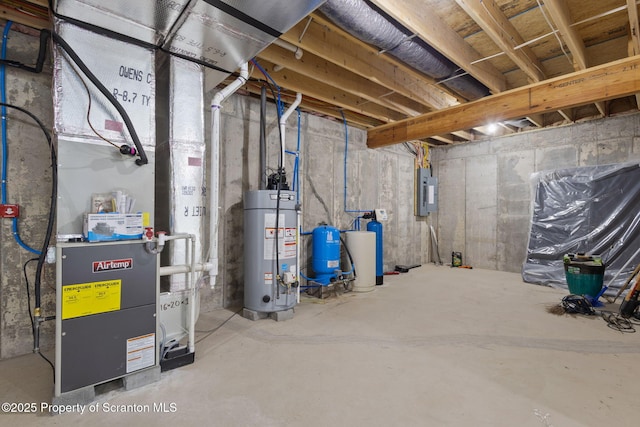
{"points": [[366, 23]]}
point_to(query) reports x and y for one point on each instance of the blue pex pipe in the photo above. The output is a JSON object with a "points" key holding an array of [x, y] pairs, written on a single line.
{"points": [[3, 111], [3, 99]]}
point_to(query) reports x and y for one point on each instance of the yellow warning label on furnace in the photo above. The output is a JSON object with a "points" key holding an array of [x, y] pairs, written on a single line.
{"points": [[84, 299]]}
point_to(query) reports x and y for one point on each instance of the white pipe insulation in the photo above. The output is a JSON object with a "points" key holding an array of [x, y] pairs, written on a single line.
{"points": [[297, 52], [214, 179]]}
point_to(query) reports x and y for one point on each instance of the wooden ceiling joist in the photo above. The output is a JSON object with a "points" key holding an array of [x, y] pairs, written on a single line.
{"points": [[319, 69], [334, 45], [431, 29], [612, 80], [634, 35], [560, 14], [14, 13], [316, 107], [324, 92], [498, 27]]}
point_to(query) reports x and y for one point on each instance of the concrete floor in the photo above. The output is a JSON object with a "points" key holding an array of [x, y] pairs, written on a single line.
{"points": [[433, 347]]}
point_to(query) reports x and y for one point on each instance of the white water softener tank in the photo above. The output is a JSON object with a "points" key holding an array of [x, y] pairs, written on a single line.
{"points": [[270, 250], [362, 246]]}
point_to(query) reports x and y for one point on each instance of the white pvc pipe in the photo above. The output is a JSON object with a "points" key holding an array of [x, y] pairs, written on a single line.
{"points": [[189, 267], [193, 290], [169, 270], [283, 121], [214, 179], [297, 52]]}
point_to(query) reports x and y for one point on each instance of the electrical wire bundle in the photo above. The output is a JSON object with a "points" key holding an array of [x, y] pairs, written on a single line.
{"points": [[577, 304]]}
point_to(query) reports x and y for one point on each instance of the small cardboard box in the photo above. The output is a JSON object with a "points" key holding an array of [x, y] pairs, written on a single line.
{"points": [[113, 226]]}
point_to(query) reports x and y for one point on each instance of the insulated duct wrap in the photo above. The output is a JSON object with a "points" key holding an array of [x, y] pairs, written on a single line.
{"points": [[86, 163], [145, 20], [124, 69], [221, 34], [217, 38], [368, 24], [584, 210], [180, 174]]}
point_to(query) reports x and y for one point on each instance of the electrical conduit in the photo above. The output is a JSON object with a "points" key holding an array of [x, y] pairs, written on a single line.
{"points": [[214, 179]]}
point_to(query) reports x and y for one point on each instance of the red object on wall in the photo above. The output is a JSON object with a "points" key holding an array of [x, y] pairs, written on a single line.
{"points": [[9, 211]]}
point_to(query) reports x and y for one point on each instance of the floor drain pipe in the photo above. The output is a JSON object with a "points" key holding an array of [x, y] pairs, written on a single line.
{"points": [[214, 179]]}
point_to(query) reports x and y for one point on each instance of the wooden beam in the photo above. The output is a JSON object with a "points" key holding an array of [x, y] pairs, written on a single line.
{"points": [[325, 40], [498, 27], [319, 69], [464, 134], [536, 119], [559, 12], [429, 27], [11, 14], [561, 16], [323, 91], [447, 141], [315, 106], [634, 26], [634, 34], [43, 3], [613, 80]]}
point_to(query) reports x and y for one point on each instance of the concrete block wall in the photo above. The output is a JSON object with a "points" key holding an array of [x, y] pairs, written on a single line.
{"points": [[485, 188]]}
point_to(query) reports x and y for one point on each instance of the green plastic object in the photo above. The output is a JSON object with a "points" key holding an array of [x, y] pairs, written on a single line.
{"points": [[584, 274]]}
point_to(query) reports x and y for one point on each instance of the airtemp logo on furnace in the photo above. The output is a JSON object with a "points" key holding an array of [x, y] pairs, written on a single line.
{"points": [[113, 264]]}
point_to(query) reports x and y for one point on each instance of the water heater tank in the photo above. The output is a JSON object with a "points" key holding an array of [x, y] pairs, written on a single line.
{"points": [[270, 250], [325, 253]]}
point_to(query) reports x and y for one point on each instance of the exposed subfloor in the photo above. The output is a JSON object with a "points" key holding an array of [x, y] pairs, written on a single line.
{"points": [[433, 347]]}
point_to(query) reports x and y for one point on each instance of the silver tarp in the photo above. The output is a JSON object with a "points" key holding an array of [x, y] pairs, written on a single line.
{"points": [[592, 210]]}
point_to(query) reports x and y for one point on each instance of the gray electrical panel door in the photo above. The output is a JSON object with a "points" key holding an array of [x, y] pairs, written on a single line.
{"points": [[426, 192], [106, 312]]}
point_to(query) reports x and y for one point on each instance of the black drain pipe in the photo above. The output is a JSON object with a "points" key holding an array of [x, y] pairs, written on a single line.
{"points": [[263, 143]]}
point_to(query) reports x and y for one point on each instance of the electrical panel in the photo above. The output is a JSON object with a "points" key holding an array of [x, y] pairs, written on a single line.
{"points": [[426, 192]]}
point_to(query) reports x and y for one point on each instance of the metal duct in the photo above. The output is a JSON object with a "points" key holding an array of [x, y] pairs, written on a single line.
{"points": [[180, 165], [367, 23], [220, 34], [86, 163]]}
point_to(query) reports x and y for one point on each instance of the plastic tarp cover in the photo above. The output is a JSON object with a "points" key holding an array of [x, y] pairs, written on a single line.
{"points": [[594, 210]]}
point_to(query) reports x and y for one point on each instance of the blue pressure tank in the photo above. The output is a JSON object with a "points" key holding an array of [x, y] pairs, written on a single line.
{"points": [[376, 227], [326, 253]]}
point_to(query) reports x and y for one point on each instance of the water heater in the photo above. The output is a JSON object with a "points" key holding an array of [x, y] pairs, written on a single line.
{"points": [[270, 250]]}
